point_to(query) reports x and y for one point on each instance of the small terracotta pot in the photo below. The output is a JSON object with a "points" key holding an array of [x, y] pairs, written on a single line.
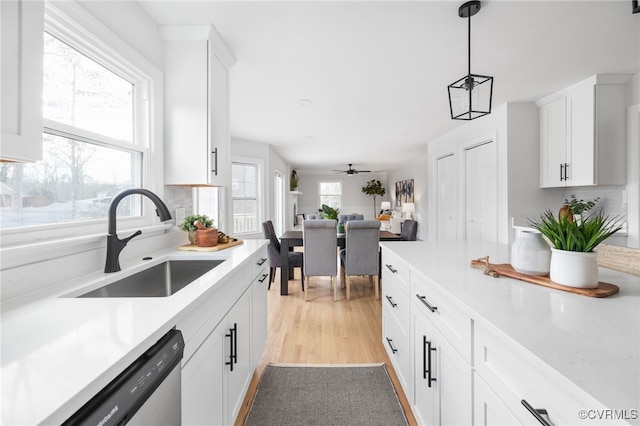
{"points": [[207, 237]]}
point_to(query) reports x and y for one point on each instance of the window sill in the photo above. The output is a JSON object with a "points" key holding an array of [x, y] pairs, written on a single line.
{"points": [[38, 251]]}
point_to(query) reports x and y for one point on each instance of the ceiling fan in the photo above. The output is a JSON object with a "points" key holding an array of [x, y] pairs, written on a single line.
{"points": [[352, 171]]}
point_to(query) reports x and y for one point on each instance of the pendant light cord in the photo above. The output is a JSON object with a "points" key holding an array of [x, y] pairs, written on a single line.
{"points": [[469, 81]]}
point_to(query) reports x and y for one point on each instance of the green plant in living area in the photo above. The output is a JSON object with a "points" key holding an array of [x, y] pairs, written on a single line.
{"points": [[374, 188], [572, 230], [329, 212]]}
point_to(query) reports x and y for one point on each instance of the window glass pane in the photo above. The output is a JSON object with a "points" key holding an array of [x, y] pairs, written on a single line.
{"points": [[82, 93], [75, 181], [245, 197], [331, 194]]}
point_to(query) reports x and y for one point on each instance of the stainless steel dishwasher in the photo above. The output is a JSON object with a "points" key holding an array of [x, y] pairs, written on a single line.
{"points": [[146, 393]]}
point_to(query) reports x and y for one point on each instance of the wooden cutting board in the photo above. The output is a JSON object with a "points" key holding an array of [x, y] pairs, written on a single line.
{"points": [[193, 247], [505, 269]]}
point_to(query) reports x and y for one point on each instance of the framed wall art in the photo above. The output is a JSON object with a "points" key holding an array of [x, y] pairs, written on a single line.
{"points": [[404, 192]]}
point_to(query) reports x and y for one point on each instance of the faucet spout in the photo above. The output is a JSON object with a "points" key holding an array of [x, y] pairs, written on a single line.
{"points": [[115, 244]]}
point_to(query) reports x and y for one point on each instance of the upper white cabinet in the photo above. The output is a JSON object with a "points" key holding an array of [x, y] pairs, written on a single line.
{"points": [[583, 134], [197, 139], [22, 44]]}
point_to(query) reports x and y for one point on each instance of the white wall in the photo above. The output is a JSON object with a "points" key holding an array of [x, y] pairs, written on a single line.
{"points": [[131, 23], [353, 199]]}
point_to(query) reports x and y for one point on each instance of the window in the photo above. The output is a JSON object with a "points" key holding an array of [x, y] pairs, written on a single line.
{"points": [[331, 194], [91, 144], [244, 191]]}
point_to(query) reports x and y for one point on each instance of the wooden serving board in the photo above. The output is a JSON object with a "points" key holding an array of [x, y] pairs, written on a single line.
{"points": [[193, 247], [505, 269]]}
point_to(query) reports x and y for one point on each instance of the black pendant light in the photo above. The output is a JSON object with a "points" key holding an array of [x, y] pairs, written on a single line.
{"points": [[470, 97]]}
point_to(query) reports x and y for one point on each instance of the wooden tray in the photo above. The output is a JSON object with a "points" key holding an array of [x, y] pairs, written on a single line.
{"points": [[505, 269], [193, 247]]}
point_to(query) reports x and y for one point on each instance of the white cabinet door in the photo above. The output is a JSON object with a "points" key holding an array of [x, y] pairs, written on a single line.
{"points": [[22, 57], [197, 142], [481, 192], [259, 315], [553, 137], [488, 409], [425, 401], [202, 383], [581, 149], [442, 378], [447, 220], [238, 358]]}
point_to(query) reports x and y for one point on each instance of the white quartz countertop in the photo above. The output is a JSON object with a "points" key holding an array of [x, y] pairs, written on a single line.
{"points": [[58, 351], [593, 342]]}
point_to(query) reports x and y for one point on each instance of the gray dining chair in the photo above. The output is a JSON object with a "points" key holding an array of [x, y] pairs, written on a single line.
{"points": [[314, 216], [319, 238], [361, 253], [296, 259], [409, 230]]}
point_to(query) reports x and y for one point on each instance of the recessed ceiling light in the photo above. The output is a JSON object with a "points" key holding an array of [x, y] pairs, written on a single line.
{"points": [[304, 101]]}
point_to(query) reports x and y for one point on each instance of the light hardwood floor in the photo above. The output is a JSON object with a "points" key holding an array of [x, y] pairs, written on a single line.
{"points": [[322, 331]]}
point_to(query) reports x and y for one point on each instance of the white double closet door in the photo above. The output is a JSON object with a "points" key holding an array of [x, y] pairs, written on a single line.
{"points": [[467, 195]]}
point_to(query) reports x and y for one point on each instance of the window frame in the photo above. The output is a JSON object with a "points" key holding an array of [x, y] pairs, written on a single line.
{"points": [[73, 25], [320, 194], [259, 164]]}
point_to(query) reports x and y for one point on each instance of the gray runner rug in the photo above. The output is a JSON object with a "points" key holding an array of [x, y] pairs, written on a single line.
{"points": [[325, 395]]}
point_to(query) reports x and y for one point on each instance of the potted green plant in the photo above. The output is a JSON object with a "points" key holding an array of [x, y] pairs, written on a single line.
{"points": [[331, 213], [373, 188], [189, 225], [574, 236], [293, 182]]}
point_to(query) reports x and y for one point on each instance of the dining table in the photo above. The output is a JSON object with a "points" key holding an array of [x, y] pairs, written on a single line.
{"points": [[293, 238]]}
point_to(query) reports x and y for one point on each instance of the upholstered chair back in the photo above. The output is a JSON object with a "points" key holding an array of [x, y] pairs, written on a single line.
{"points": [[320, 242]]}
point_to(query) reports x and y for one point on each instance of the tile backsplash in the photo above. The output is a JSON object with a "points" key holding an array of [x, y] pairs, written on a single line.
{"points": [[612, 199]]}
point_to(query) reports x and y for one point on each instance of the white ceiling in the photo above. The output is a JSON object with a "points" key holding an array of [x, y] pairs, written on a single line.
{"points": [[377, 72]]}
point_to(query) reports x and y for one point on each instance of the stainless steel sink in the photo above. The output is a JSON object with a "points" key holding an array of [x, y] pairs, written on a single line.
{"points": [[161, 280]]}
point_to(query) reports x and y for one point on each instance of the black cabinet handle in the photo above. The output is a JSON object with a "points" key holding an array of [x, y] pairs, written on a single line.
{"points": [[390, 267], [561, 172], [232, 346], [235, 343], [214, 160], [424, 301], [426, 360], [393, 304], [566, 170], [537, 413], [261, 262], [264, 277], [390, 343]]}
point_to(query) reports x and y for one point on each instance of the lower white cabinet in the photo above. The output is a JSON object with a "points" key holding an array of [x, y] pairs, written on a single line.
{"points": [[488, 409], [442, 378], [219, 366]]}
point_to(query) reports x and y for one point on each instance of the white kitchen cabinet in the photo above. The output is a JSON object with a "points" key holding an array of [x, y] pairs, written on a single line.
{"points": [[583, 134], [197, 139], [22, 51], [221, 351], [203, 386], [488, 409], [396, 316], [442, 379], [259, 313]]}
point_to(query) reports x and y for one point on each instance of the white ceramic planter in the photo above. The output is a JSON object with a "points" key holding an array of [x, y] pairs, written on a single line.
{"points": [[574, 269], [530, 254]]}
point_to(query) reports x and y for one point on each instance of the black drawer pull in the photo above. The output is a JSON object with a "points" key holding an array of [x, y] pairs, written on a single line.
{"points": [[232, 346], [426, 360], [423, 300], [261, 262], [391, 302], [537, 413], [390, 267], [389, 342], [264, 277]]}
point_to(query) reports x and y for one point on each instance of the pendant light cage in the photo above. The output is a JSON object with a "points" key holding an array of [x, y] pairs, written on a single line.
{"points": [[470, 97]]}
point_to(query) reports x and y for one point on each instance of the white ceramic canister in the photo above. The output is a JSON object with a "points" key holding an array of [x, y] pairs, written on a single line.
{"points": [[574, 268], [530, 254]]}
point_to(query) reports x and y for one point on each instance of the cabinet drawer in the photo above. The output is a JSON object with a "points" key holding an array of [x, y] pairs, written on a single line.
{"points": [[397, 304], [451, 321], [515, 375], [396, 269], [397, 344], [258, 263]]}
